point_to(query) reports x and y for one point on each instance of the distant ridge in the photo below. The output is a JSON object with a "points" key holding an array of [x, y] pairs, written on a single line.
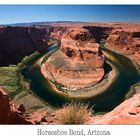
{"points": [[40, 23]]}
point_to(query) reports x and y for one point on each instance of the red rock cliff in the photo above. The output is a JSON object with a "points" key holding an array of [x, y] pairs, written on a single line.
{"points": [[100, 33], [78, 44], [58, 31], [127, 41], [79, 58], [17, 42], [9, 114]]}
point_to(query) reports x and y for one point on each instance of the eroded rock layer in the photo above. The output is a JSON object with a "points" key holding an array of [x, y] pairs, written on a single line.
{"points": [[10, 113], [127, 112], [17, 42], [127, 41], [100, 33], [76, 66], [78, 63]]}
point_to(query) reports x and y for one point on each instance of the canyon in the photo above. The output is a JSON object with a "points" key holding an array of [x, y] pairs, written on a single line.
{"points": [[78, 63], [78, 58], [18, 42]]}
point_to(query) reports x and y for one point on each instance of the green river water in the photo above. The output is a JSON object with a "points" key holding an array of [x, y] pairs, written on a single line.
{"points": [[128, 75]]}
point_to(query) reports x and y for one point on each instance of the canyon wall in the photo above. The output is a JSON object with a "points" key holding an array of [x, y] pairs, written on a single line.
{"points": [[100, 33], [12, 113], [9, 114], [126, 40], [17, 42], [58, 31], [79, 58]]}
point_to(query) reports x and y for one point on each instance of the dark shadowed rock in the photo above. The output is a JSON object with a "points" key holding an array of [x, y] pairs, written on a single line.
{"points": [[8, 111], [12, 114], [17, 42]]}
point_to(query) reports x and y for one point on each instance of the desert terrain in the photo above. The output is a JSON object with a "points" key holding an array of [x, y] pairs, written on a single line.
{"points": [[45, 67]]}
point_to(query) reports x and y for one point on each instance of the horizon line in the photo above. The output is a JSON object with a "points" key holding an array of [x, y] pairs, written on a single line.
{"points": [[32, 22]]}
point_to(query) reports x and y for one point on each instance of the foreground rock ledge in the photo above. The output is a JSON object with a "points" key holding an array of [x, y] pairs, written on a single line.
{"points": [[127, 112], [78, 63], [10, 113]]}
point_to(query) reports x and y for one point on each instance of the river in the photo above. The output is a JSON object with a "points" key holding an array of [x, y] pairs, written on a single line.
{"points": [[127, 76]]}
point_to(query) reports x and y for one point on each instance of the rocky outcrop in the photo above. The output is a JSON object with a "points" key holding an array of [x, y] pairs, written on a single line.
{"points": [[17, 42], [58, 31], [78, 44], [121, 36], [9, 114], [127, 112], [79, 58], [100, 33], [127, 41], [13, 114], [77, 64]]}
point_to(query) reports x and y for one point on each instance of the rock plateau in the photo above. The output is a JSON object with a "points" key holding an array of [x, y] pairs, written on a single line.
{"points": [[78, 58]]}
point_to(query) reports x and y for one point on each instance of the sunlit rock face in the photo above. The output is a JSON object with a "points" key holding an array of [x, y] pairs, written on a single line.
{"points": [[79, 45], [78, 63], [127, 41], [127, 112], [58, 31]]}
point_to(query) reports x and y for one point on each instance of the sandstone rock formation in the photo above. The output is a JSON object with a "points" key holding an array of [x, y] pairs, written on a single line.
{"points": [[78, 63], [127, 112], [127, 41], [100, 33], [13, 114], [9, 114], [79, 58], [79, 45], [58, 31], [17, 42]]}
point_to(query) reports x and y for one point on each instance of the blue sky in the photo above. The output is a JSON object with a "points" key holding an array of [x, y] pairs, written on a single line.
{"points": [[91, 13]]}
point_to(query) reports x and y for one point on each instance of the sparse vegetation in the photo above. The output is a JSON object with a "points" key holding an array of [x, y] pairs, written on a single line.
{"points": [[53, 41], [11, 78], [27, 60], [74, 113], [46, 58]]}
